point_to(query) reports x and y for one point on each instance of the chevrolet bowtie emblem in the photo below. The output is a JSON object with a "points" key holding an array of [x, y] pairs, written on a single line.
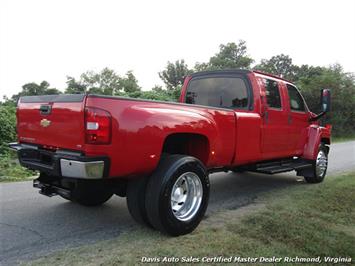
{"points": [[45, 123]]}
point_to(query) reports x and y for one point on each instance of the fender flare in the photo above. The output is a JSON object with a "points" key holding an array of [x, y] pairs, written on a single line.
{"points": [[315, 136]]}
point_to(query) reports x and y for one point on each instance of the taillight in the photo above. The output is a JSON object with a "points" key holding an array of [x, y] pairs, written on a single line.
{"points": [[17, 122], [97, 126]]}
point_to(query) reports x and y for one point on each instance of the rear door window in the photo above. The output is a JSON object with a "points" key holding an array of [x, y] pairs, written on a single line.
{"points": [[224, 92]]}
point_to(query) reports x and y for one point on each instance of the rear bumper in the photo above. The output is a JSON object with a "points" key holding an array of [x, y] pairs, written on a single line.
{"points": [[62, 163]]}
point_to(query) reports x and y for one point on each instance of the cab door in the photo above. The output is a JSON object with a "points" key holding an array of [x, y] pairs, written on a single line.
{"points": [[275, 142], [298, 119]]}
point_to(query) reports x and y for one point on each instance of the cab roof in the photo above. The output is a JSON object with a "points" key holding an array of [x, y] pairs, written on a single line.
{"points": [[236, 71]]}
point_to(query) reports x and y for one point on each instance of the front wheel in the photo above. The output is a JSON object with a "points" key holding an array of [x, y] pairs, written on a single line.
{"points": [[177, 195], [320, 166]]}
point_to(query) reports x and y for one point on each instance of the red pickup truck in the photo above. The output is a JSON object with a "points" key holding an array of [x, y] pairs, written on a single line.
{"points": [[159, 154]]}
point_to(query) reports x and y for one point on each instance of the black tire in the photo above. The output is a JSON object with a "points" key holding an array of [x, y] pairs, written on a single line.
{"points": [[136, 200], [316, 176], [159, 194], [238, 170], [65, 197], [90, 193]]}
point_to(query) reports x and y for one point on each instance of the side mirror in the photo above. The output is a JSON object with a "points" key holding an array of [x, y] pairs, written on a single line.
{"points": [[325, 100], [325, 104]]}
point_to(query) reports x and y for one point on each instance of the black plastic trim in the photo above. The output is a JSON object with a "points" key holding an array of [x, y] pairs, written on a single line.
{"points": [[155, 101], [61, 98], [219, 72]]}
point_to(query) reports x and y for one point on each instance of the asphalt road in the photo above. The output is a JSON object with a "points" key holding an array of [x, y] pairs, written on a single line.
{"points": [[32, 225]]}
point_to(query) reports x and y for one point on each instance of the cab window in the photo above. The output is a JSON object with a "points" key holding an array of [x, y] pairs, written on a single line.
{"points": [[296, 100], [272, 91], [224, 92]]}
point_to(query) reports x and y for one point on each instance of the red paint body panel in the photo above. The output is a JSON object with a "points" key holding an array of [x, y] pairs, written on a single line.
{"points": [[248, 138], [298, 125], [315, 134], [140, 128], [275, 138], [65, 131]]}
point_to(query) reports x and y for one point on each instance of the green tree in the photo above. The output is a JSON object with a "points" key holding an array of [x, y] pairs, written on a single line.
{"points": [[280, 65], [36, 89], [7, 101], [230, 56], [129, 83], [157, 88], [105, 82], [307, 73], [74, 86], [342, 85], [174, 74], [202, 67]]}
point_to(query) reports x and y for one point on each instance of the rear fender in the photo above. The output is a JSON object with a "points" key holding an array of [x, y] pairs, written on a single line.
{"points": [[140, 128]]}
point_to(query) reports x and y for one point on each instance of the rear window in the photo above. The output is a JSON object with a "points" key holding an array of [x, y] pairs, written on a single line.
{"points": [[224, 92]]}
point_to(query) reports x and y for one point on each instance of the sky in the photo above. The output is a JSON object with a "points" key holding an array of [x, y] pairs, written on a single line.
{"points": [[49, 40]]}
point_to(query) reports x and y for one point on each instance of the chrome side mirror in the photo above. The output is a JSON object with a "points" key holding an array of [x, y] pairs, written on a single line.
{"points": [[325, 100]]}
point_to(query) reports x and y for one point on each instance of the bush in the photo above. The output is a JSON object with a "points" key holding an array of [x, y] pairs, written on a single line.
{"points": [[7, 127], [10, 170]]}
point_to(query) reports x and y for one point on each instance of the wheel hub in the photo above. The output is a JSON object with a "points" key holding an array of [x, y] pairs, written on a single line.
{"points": [[321, 163], [186, 196]]}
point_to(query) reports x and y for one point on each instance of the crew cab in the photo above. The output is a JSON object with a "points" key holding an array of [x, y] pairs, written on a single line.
{"points": [[159, 154]]}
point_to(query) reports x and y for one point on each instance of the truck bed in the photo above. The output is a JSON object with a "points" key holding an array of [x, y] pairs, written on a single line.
{"points": [[139, 129]]}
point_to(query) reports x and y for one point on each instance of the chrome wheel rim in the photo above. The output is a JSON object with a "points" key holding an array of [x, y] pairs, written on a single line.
{"points": [[321, 163], [186, 196]]}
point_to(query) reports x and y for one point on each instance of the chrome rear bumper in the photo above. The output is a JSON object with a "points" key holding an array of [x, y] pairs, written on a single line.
{"points": [[77, 169]]}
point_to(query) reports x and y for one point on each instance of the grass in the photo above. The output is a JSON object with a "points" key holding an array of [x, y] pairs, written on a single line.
{"points": [[343, 139], [11, 170], [304, 221]]}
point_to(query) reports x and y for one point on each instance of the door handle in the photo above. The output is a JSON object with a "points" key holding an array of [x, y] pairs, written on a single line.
{"points": [[289, 120], [45, 109], [266, 117]]}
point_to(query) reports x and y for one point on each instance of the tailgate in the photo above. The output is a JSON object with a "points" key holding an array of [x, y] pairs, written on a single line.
{"points": [[52, 120]]}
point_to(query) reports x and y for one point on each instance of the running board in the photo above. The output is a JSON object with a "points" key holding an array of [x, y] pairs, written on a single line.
{"points": [[281, 167]]}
